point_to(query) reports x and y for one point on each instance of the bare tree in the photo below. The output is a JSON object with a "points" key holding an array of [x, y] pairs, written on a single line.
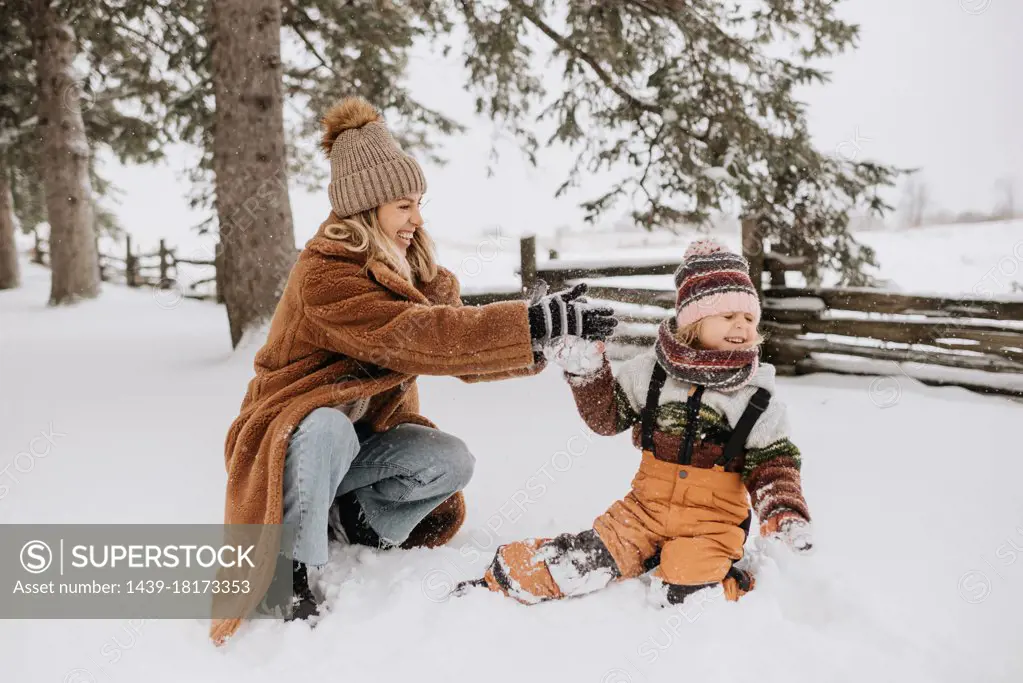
{"points": [[257, 239], [10, 277], [64, 159], [1006, 206], [914, 202]]}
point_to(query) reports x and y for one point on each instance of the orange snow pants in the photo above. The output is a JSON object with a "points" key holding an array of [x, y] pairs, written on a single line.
{"points": [[692, 516]]}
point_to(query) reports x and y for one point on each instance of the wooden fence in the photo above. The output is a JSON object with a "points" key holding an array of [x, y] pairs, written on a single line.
{"points": [[152, 269], [823, 329], [844, 330]]}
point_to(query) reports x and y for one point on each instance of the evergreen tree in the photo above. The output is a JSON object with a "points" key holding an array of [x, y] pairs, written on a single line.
{"points": [[64, 156], [359, 48], [334, 50], [79, 78], [15, 124], [698, 97], [330, 50], [249, 160]]}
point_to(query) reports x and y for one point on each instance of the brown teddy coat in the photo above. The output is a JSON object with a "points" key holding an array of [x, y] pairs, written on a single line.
{"points": [[342, 332]]}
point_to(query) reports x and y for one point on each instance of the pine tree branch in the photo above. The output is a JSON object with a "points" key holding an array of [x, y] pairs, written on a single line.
{"points": [[671, 7], [565, 44], [678, 7], [650, 153], [606, 78], [9, 135], [308, 43], [144, 37], [315, 52], [191, 86]]}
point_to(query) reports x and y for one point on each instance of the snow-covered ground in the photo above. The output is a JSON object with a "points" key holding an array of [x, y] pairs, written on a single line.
{"points": [[914, 491]]}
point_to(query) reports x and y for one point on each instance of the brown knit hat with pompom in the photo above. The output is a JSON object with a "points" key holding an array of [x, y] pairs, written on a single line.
{"points": [[367, 165]]}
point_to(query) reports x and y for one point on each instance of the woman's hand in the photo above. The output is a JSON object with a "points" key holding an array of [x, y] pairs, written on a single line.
{"points": [[568, 313]]}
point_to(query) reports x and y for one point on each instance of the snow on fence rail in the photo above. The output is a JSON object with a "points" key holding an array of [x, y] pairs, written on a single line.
{"points": [[976, 343]]}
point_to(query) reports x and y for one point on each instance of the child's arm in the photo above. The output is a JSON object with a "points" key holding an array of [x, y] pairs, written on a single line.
{"points": [[771, 474], [602, 401]]}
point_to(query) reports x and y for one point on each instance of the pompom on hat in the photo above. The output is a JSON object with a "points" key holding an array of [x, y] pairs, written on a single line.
{"points": [[713, 280], [367, 165]]}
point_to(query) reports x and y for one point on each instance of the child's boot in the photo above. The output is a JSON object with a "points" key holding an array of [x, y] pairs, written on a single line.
{"points": [[664, 594], [737, 583], [536, 570]]}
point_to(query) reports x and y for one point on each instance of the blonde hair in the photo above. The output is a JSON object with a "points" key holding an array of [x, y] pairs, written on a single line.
{"points": [[690, 334], [362, 233]]}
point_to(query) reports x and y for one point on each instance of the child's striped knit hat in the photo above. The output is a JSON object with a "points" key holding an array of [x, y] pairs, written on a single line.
{"points": [[713, 280]]}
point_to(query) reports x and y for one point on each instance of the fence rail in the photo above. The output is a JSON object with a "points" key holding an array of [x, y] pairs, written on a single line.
{"points": [[140, 269], [808, 329], [812, 329], [879, 301]]}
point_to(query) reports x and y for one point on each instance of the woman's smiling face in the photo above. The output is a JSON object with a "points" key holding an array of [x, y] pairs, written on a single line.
{"points": [[400, 219]]}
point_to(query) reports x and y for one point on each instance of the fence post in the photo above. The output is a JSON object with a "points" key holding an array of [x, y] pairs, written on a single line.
{"points": [[129, 264], [38, 256], [753, 250], [164, 264], [527, 256]]}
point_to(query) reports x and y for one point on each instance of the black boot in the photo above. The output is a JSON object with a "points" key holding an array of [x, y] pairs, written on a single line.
{"points": [[676, 594], [304, 604], [353, 522]]}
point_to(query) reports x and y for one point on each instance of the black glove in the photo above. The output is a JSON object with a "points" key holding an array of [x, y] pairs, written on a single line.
{"points": [[568, 312]]}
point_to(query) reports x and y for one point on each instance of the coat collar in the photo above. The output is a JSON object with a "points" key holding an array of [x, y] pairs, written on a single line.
{"points": [[385, 275]]}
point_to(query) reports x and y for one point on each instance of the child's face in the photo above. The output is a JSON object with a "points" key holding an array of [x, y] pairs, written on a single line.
{"points": [[728, 331]]}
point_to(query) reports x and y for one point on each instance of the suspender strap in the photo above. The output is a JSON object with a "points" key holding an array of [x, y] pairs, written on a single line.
{"points": [[649, 415], [685, 450], [737, 442]]}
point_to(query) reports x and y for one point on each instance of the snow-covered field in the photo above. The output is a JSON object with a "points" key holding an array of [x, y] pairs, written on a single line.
{"points": [[982, 259], [914, 506]]}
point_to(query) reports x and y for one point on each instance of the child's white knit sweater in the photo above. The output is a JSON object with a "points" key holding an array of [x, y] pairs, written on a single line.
{"points": [[634, 378], [611, 403]]}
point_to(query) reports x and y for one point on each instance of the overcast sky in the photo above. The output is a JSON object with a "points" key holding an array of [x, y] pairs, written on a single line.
{"points": [[934, 84]]}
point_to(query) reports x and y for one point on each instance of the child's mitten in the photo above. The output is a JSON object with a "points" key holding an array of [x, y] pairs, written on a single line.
{"points": [[575, 355], [791, 528]]}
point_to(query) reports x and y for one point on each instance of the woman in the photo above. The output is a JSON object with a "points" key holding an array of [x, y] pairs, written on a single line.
{"points": [[330, 434]]}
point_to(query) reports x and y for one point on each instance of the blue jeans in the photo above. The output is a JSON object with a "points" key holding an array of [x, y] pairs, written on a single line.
{"points": [[398, 476]]}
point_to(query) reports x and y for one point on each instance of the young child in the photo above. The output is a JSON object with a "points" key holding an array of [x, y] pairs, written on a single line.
{"points": [[701, 410]]}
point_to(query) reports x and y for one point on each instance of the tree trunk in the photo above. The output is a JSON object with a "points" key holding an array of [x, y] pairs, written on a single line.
{"points": [[257, 238], [10, 276], [64, 161]]}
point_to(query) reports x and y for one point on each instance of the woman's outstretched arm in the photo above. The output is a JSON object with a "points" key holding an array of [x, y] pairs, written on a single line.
{"points": [[347, 312]]}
